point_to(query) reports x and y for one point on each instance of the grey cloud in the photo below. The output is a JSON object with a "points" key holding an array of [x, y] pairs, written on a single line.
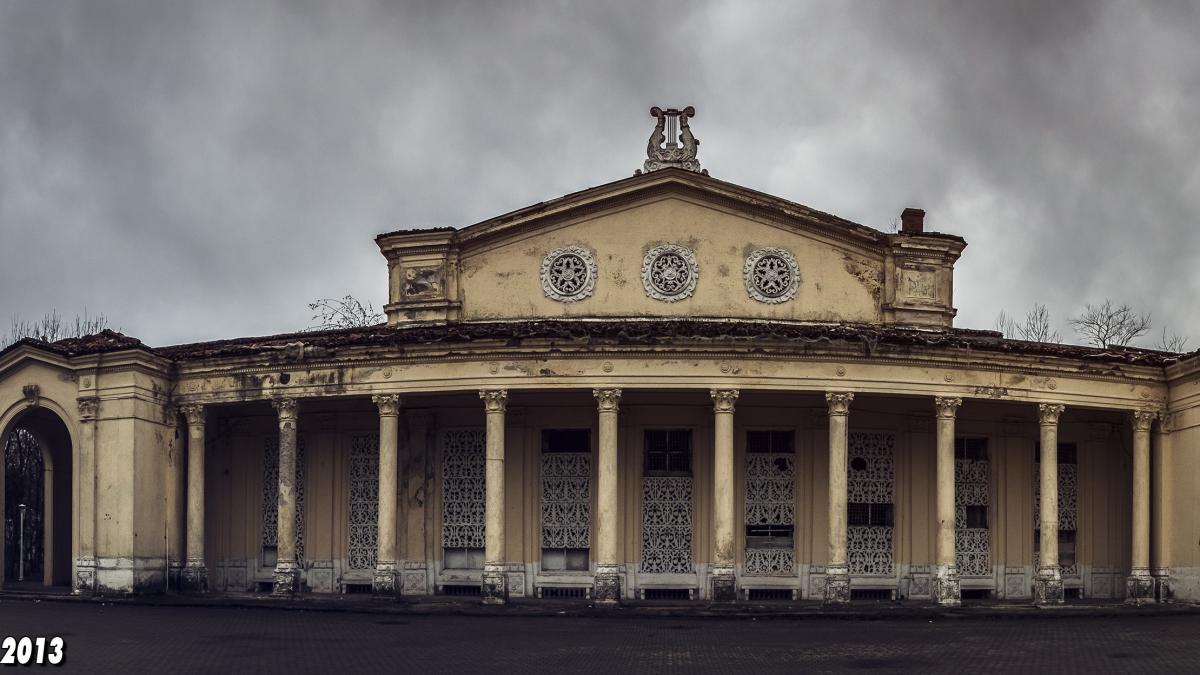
{"points": [[202, 170]]}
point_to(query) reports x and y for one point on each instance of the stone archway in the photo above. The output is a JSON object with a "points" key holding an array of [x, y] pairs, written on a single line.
{"points": [[37, 470]]}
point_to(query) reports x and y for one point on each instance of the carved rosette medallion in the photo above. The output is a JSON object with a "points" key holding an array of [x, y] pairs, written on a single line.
{"points": [[772, 275], [568, 274], [669, 273]]}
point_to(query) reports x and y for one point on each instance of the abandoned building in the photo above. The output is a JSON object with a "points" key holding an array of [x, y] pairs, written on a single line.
{"points": [[667, 386]]}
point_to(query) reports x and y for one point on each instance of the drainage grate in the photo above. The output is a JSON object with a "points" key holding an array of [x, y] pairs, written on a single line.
{"points": [[563, 591], [871, 594], [461, 590], [667, 594], [758, 594], [356, 588], [975, 594]]}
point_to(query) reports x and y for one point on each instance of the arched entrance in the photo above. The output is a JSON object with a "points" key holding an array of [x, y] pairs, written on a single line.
{"points": [[37, 473]]}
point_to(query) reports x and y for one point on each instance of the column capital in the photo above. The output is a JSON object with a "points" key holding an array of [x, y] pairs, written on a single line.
{"points": [[89, 407], [724, 399], [286, 407], [608, 400], [839, 402], [1048, 413], [1142, 419], [194, 412], [947, 406], [494, 400], [389, 404]]}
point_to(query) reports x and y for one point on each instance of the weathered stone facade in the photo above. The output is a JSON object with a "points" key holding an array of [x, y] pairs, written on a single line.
{"points": [[664, 328]]}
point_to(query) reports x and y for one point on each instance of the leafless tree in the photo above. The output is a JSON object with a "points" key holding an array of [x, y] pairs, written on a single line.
{"points": [[344, 312], [1104, 325], [1171, 342], [52, 327], [1035, 328]]}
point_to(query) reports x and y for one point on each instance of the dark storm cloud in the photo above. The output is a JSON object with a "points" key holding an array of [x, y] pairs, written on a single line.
{"points": [[202, 170]]}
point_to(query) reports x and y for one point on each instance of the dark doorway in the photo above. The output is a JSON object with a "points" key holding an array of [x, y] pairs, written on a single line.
{"points": [[37, 474]]}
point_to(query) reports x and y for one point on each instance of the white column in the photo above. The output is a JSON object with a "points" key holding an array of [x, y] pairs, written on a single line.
{"points": [[724, 580], [607, 584], [85, 564], [495, 585], [287, 567], [383, 582], [1048, 585], [837, 571], [195, 574], [1139, 586], [947, 586]]}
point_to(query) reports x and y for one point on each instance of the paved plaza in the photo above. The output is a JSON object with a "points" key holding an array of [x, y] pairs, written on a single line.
{"points": [[172, 639]]}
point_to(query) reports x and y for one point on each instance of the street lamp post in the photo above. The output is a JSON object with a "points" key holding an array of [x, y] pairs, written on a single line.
{"points": [[21, 543]]}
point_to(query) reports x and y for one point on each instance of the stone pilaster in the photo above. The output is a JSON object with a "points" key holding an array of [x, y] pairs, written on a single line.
{"points": [[195, 573], [947, 587], [495, 587], [724, 579], [383, 581], [85, 564], [606, 589], [1048, 584], [287, 567], [837, 571], [1139, 587]]}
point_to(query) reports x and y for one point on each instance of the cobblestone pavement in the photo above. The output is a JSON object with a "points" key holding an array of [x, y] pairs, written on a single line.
{"points": [[108, 638]]}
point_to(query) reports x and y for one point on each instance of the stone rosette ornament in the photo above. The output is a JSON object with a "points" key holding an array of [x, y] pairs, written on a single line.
{"points": [[670, 272], [568, 274], [772, 275]]}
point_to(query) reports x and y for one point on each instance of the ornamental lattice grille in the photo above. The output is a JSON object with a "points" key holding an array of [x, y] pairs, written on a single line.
{"points": [[463, 491], [364, 501], [972, 545], [770, 500], [667, 524], [869, 547], [1068, 510], [566, 500], [270, 494]]}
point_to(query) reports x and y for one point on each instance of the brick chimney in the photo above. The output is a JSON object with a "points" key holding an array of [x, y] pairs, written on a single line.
{"points": [[912, 221]]}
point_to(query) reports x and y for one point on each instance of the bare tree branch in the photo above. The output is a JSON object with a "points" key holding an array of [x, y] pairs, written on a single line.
{"points": [[1035, 328], [1104, 325], [1171, 343], [51, 327], [344, 312]]}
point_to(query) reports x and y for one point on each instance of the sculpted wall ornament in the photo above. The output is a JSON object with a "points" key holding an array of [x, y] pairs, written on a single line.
{"points": [[666, 150], [772, 275], [568, 274], [1143, 419], [669, 273], [839, 402], [608, 400], [724, 399], [1048, 413], [89, 406]]}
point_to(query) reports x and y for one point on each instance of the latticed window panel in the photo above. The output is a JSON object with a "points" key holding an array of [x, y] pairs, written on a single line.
{"points": [[667, 524], [463, 491], [972, 494], [270, 495], [566, 500], [770, 507], [364, 501], [871, 481], [1068, 517]]}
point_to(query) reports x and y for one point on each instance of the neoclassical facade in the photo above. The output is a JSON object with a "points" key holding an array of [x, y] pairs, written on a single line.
{"points": [[665, 387]]}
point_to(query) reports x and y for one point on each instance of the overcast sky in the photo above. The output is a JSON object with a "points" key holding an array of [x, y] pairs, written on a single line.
{"points": [[202, 170]]}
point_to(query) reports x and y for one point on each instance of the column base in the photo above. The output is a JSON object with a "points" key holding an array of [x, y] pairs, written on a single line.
{"points": [[724, 584], [287, 579], [1139, 589], [383, 580], [194, 578], [494, 590], [1048, 586], [837, 586], [85, 577], [947, 586], [1162, 584], [606, 587]]}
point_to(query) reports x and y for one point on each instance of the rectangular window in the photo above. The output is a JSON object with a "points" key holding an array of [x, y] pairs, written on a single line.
{"points": [[974, 449], [668, 452], [870, 515], [770, 441], [566, 499]]}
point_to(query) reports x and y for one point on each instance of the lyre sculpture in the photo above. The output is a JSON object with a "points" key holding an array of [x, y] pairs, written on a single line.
{"points": [[672, 143]]}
